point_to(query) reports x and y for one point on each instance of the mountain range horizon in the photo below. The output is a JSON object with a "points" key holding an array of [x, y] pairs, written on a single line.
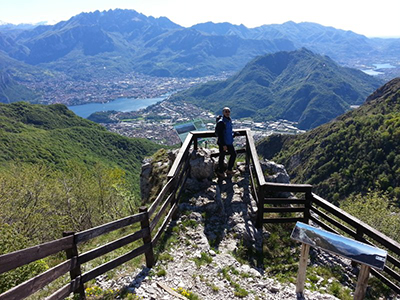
{"points": [[54, 22]]}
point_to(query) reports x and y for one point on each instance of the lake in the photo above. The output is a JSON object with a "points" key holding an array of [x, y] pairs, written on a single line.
{"points": [[120, 104], [378, 67]]}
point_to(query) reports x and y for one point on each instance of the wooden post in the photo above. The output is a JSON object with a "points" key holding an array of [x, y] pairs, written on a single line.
{"points": [[75, 272], [362, 283], [301, 274], [195, 143], [260, 207], [247, 152], [307, 207], [147, 239]]}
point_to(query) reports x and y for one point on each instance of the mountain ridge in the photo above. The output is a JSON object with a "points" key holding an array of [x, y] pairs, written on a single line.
{"points": [[100, 36], [299, 86]]}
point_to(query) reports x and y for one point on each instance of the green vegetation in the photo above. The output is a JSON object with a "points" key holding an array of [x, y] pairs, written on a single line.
{"points": [[298, 86], [66, 168], [358, 152], [377, 210], [102, 117], [239, 291], [204, 259], [11, 240], [59, 172], [188, 294], [161, 272]]}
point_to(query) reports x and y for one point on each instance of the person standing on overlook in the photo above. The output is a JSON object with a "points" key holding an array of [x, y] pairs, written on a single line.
{"points": [[225, 136]]}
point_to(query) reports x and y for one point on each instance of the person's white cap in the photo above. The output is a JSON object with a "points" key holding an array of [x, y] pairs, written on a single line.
{"points": [[226, 108]]}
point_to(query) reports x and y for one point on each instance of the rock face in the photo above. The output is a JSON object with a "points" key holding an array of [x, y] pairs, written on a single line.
{"points": [[277, 173], [154, 173], [202, 165]]}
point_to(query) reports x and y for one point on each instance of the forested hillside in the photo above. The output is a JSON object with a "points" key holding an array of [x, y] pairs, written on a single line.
{"points": [[357, 152], [62, 172], [299, 86]]}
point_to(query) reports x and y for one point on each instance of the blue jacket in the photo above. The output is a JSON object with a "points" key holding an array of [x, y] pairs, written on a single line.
{"points": [[224, 131]]}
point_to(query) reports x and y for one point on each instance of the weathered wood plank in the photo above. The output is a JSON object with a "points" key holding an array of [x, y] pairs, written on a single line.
{"points": [[145, 224], [114, 263], [253, 185], [283, 209], [183, 185], [392, 273], [160, 213], [301, 273], [22, 257], [379, 237], [254, 158], [339, 225], [286, 187], [282, 220], [74, 272], [36, 283], [165, 190], [170, 291], [323, 225], [65, 291], [102, 229], [210, 133], [166, 221], [278, 201], [362, 282], [178, 160], [386, 281], [92, 254], [184, 170]]}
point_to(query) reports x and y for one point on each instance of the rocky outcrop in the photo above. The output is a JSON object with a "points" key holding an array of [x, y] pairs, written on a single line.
{"points": [[154, 173], [206, 258], [276, 172]]}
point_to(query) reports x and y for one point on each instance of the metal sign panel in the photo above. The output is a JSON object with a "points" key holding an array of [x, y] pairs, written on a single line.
{"points": [[183, 129], [340, 245]]}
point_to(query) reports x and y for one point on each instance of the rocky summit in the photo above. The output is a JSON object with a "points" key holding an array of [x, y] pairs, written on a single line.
{"points": [[201, 261]]}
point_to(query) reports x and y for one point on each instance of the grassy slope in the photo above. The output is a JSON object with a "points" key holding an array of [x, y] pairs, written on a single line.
{"points": [[53, 135]]}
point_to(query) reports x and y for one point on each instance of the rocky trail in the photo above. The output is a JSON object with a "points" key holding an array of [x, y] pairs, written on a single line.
{"points": [[199, 259]]}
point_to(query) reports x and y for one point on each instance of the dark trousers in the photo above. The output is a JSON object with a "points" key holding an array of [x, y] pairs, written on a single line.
{"points": [[232, 152]]}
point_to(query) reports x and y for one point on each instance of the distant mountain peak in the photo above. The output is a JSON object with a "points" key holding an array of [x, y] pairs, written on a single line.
{"points": [[298, 86]]}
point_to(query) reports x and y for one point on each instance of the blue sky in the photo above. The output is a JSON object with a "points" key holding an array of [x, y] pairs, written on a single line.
{"points": [[369, 17]]}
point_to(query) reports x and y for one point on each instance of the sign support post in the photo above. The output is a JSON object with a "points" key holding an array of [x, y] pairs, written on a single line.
{"points": [[362, 283], [301, 274]]}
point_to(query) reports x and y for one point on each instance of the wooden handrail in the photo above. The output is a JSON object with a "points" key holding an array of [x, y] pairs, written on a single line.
{"points": [[105, 228], [36, 283], [22, 257], [166, 203], [386, 241], [184, 150]]}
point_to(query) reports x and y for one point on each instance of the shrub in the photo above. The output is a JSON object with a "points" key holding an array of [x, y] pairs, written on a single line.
{"points": [[11, 241]]}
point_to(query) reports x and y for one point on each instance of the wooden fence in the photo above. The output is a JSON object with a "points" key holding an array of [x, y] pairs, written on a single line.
{"points": [[306, 207], [152, 219]]}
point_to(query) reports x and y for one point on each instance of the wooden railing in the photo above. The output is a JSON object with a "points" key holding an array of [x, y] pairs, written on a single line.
{"points": [[304, 206], [152, 219]]}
